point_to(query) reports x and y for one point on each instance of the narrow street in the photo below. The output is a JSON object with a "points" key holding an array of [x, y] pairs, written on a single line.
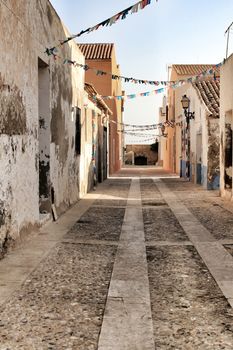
{"points": [[144, 262]]}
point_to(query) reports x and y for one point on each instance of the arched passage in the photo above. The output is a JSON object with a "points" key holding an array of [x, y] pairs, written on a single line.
{"points": [[140, 160]]}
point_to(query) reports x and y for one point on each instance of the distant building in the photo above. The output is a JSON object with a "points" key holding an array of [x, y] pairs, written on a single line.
{"points": [[141, 155]]}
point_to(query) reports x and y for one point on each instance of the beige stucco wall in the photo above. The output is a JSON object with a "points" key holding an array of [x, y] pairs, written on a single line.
{"points": [[198, 126], [27, 28], [162, 140], [86, 165], [172, 155]]}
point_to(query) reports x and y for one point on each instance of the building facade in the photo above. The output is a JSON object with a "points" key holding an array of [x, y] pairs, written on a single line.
{"points": [[192, 145], [226, 126], [141, 154], [44, 160], [161, 130], [102, 57], [97, 116]]}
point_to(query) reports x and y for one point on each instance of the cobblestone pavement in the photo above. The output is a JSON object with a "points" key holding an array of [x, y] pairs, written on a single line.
{"points": [[189, 311], [61, 305], [62, 302]]}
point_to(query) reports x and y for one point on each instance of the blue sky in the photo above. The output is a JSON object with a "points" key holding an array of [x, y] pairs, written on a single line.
{"points": [[165, 32]]}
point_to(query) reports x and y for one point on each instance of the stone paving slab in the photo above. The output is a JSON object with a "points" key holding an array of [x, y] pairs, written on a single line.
{"points": [[123, 289], [6, 289], [134, 272], [132, 333], [132, 234], [127, 323], [217, 254], [227, 287]]}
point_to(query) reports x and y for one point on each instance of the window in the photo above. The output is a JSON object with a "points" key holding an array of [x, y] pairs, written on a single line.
{"points": [[166, 112], [78, 131]]}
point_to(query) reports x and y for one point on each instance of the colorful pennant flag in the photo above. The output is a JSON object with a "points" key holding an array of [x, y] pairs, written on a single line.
{"points": [[167, 83], [132, 96], [108, 22]]}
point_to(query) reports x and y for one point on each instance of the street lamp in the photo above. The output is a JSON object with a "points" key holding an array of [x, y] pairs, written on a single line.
{"points": [[185, 101], [186, 104]]}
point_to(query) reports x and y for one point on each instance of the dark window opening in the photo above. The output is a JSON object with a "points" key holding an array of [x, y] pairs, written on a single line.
{"points": [[78, 131], [228, 157], [166, 112]]}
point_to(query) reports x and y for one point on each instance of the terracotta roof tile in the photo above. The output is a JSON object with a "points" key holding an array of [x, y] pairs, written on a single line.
{"points": [[96, 51], [192, 69], [209, 91]]}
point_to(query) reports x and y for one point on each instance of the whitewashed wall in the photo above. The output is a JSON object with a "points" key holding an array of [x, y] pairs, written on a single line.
{"points": [[23, 38]]}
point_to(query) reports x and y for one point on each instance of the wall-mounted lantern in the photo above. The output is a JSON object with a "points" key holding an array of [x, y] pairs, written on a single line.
{"points": [[185, 101]]}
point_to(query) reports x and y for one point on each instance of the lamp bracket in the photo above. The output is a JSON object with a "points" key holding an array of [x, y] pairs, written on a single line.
{"points": [[189, 115]]}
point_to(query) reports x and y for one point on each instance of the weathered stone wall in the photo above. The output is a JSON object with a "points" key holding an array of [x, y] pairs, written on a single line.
{"points": [[226, 128], [36, 138]]}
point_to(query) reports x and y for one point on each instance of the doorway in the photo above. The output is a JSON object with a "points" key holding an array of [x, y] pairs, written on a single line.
{"points": [[228, 157], [105, 153], [44, 137], [199, 159], [140, 160]]}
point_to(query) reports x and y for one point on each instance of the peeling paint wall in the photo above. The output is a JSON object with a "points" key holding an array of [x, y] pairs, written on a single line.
{"points": [[226, 127], [12, 110], [32, 137]]}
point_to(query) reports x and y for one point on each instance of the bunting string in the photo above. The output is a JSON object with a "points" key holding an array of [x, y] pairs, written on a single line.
{"points": [[142, 127], [207, 73], [211, 72], [137, 134], [136, 130], [150, 93], [140, 5], [131, 96], [144, 140]]}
